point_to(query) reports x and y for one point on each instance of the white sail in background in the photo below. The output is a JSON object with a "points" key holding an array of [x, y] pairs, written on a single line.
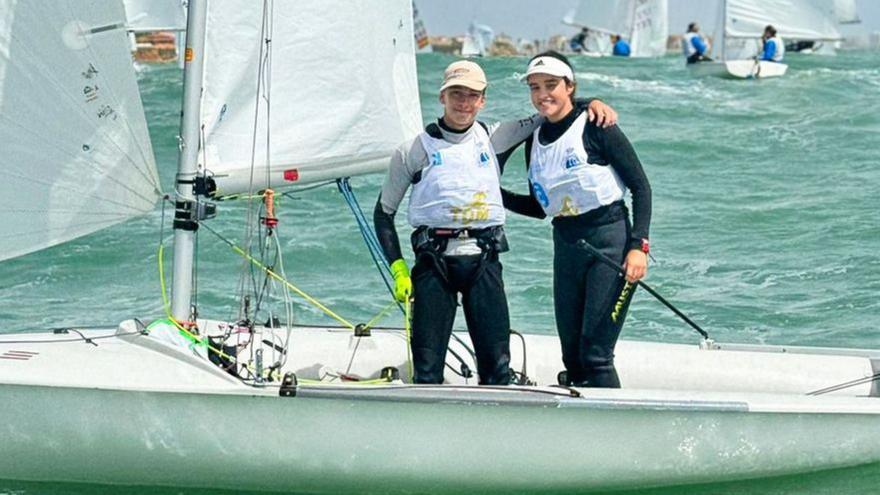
{"points": [[650, 28], [76, 156], [155, 15], [343, 91], [793, 20], [477, 40], [846, 11], [642, 23]]}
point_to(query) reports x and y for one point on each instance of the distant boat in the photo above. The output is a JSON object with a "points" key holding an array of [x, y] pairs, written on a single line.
{"points": [[477, 40], [642, 23], [844, 14], [740, 25]]}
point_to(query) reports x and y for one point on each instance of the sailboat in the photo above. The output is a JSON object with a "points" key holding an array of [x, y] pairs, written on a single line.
{"points": [[188, 401], [643, 23], [477, 41], [740, 25]]}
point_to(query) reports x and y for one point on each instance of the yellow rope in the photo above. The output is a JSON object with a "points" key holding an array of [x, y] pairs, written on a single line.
{"points": [[292, 287], [167, 306]]}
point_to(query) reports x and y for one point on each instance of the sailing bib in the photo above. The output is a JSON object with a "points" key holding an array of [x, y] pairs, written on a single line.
{"points": [[459, 187], [563, 180]]}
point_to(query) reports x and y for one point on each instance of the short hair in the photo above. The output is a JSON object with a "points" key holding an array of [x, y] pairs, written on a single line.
{"points": [[692, 27]]}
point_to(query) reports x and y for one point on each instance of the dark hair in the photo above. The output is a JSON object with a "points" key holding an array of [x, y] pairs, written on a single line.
{"points": [[692, 27], [563, 59], [770, 29]]}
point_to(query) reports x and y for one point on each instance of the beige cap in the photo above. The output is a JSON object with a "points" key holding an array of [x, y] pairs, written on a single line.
{"points": [[464, 73]]}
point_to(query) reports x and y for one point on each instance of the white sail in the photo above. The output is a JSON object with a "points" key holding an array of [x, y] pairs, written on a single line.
{"points": [[643, 23], [341, 82], [846, 11], [793, 20], [76, 155], [477, 40], [155, 15], [650, 28]]}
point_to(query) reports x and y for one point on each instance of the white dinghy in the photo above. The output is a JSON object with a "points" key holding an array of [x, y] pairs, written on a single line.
{"points": [[738, 29], [185, 401]]}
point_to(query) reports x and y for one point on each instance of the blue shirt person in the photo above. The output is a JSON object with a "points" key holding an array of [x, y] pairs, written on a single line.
{"points": [[774, 48], [621, 47], [693, 46]]}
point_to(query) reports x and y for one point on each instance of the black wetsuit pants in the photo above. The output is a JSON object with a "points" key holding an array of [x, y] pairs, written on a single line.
{"points": [[437, 281], [591, 300]]}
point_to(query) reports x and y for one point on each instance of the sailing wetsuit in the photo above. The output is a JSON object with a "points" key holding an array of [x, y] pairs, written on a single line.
{"points": [[578, 173], [456, 248]]}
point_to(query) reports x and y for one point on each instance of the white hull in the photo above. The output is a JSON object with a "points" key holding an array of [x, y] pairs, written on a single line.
{"points": [[739, 69], [135, 411]]}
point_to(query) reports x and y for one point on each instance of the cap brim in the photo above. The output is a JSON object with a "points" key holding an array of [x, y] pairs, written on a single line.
{"points": [[475, 85]]}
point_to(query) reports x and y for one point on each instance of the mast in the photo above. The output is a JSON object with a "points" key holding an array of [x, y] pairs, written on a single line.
{"points": [[186, 209]]}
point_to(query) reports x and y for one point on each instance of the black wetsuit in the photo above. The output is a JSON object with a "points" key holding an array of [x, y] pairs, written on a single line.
{"points": [[590, 298]]}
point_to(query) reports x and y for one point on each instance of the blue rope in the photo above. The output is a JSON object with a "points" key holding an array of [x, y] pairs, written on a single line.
{"points": [[367, 232]]}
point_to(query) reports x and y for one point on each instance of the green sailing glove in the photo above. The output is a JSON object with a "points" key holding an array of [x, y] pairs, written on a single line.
{"points": [[402, 282]]}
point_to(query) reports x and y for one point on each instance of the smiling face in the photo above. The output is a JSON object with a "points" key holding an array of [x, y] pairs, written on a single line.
{"points": [[551, 95], [461, 106]]}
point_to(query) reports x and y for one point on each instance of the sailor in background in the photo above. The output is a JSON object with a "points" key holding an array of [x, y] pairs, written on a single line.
{"points": [[579, 174], [621, 47], [773, 48], [455, 207], [693, 46]]}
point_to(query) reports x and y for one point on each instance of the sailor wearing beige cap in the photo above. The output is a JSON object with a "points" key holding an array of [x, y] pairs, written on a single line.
{"points": [[456, 210]]}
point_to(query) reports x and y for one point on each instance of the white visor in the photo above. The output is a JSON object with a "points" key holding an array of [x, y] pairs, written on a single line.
{"points": [[550, 66]]}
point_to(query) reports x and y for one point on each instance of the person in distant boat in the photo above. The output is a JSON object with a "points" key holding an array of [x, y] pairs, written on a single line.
{"points": [[455, 207], [579, 42], [579, 174], [773, 48], [694, 46], [621, 47]]}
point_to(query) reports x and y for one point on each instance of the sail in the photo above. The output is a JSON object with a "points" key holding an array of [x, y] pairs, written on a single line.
{"points": [[650, 28], [643, 23], [842, 11], [477, 40], [341, 85], [793, 20], [76, 155], [155, 15]]}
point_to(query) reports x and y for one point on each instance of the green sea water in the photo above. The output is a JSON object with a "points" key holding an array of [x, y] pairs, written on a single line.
{"points": [[765, 227]]}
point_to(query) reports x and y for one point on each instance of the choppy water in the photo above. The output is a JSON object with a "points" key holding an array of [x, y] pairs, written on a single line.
{"points": [[766, 222]]}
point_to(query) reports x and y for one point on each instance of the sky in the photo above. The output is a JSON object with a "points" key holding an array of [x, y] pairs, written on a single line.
{"points": [[539, 19]]}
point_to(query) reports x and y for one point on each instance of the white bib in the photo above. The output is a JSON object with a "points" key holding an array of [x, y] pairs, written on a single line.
{"points": [[459, 188], [563, 180]]}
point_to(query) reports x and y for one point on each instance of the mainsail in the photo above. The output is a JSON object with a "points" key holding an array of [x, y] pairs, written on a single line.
{"points": [[76, 152], [341, 88]]}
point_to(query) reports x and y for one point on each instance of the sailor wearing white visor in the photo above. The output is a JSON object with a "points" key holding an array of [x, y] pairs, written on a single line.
{"points": [[579, 174]]}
